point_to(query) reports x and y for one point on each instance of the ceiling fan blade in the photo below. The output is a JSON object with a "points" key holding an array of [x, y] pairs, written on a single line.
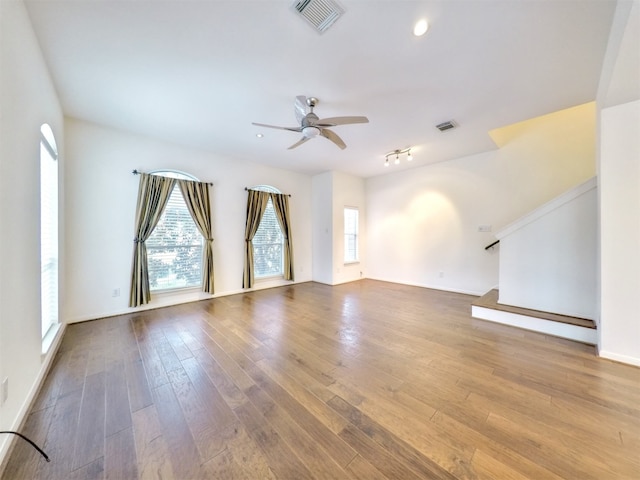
{"points": [[291, 129], [328, 134], [298, 143], [333, 121], [300, 107]]}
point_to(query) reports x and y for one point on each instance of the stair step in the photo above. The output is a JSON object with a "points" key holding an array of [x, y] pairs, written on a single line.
{"points": [[574, 328]]}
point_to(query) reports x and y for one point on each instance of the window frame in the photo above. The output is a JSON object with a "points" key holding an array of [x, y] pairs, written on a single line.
{"points": [[180, 175], [348, 260], [262, 278], [49, 236]]}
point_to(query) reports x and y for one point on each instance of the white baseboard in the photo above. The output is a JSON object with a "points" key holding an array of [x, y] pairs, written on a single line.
{"points": [[556, 329], [616, 357], [431, 287], [171, 299], [33, 391]]}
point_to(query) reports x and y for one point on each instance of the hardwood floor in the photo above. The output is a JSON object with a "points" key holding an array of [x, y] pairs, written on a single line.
{"points": [[367, 380]]}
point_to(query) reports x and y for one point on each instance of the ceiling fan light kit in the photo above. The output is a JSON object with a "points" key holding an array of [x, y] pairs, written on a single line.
{"points": [[312, 126]]}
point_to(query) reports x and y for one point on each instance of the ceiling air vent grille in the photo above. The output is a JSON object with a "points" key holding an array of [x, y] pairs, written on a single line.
{"points": [[443, 127], [321, 14]]}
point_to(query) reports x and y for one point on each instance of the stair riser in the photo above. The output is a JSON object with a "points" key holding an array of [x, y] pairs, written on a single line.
{"points": [[556, 329]]}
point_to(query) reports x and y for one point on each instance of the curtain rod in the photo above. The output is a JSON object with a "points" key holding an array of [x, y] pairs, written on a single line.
{"points": [[136, 172], [247, 189]]}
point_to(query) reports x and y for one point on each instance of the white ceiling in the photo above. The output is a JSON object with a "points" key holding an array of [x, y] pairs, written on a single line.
{"points": [[198, 73]]}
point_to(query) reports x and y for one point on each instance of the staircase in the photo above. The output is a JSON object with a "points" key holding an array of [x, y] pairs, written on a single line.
{"points": [[573, 328], [548, 269]]}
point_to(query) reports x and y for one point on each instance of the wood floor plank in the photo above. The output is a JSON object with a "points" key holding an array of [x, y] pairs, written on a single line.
{"points": [[282, 460], [360, 469], [137, 383], [340, 451], [303, 445], [248, 460], [305, 397], [376, 454], [62, 436], [117, 409], [120, 456], [152, 452], [89, 445], [184, 455], [364, 380], [91, 471], [223, 382], [418, 462]]}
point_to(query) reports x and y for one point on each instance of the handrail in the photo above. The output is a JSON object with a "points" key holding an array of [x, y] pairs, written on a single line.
{"points": [[492, 245]]}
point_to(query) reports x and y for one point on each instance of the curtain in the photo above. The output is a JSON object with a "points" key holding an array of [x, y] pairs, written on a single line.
{"points": [[196, 196], [256, 205], [153, 195], [281, 207]]}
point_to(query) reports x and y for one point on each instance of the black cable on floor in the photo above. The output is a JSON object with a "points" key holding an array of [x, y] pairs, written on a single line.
{"points": [[31, 442]]}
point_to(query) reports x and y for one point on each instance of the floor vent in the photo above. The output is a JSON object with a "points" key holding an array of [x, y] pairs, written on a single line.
{"points": [[443, 127], [321, 14]]}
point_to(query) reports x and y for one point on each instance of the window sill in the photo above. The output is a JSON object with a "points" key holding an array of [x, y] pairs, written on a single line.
{"points": [[175, 291], [268, 279], [49, 337], [354, 262]]}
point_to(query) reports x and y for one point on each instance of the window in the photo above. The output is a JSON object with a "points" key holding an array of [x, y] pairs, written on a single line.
{"points": [[350, 235], [174, 248], [268, 243], [48, 229]]}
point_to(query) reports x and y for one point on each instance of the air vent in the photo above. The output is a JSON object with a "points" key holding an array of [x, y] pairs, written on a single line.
{"points": [[321, 14], [443, 127]]}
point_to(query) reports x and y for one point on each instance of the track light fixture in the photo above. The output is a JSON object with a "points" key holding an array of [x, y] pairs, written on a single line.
{"points": [[397, 153]]}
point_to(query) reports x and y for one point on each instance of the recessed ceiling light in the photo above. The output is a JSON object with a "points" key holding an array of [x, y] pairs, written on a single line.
{"points": [[259, 135], [420, 28]]}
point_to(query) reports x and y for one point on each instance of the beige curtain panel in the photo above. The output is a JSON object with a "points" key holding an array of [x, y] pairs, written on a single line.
{"points": [[281, 207], [153, 195], [196, 196], [256, 205]]}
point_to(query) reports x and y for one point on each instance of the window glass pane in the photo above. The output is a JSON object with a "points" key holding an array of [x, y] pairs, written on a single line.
{"points": [[48, 230], [350, 234], [174, 248], [268, 243]]}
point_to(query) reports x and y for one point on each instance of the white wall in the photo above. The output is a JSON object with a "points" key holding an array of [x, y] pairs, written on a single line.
{"points": [[27, 100], [101, 200], [548, 258], [619, 188], [322, 215], [422, 223], [348, 191], [332, 191], [620, 233]]}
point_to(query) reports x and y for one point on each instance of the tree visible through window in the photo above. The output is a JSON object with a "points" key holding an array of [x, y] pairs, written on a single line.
{"points": [[174, 248], [350, 234], [268, 243]]}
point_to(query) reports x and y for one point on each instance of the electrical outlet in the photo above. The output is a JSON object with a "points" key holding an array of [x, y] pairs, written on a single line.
{"points": [[5, 390], [484, 228], [441, 274], [116, 292]]}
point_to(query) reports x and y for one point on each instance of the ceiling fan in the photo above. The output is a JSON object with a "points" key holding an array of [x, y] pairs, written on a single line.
{"points": [[311, 126]]}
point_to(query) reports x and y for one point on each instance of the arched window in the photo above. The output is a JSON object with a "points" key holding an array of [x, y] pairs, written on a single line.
{"points": [[48, 229], [174, 248], [268, 243]]}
